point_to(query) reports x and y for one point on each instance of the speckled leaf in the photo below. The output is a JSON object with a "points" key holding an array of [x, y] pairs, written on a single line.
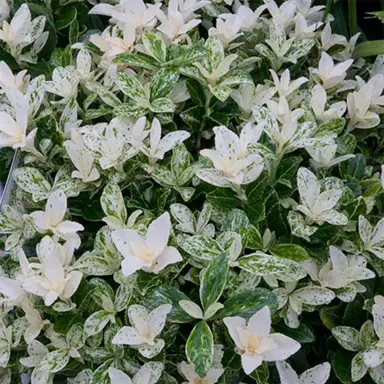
{"points": [[162, 105], [55, 361], [131, 87], [93, 265], [96, 322], [199, 348], [107, 96], [300, 48], [213, 280], [262, 264], [184, 216], [32, 181], [190, 55], [298, 226], [105, 247], [289, 251], [367, 335], [180, 160], [358, 367], [222, 92], [112, 202], [314, 295], [199, 246], [236, 221], [164, 177], [123, 296], [137, 60], [332, 126], [155, 46], [215, 52], [347, 337], [163, 83], [75, 337], [235, 77], [264, 116]]}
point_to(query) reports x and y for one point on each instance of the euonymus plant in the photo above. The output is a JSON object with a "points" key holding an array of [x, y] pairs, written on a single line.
{"points": [[199, 199]]}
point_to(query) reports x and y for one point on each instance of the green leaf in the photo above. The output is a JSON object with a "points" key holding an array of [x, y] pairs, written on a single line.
{"points": [[261, 374], [137, 60], [112, 202], [155, 46], [199, 246], [193, 117], [169, 295], [287, 169], [196, 91], [32, 181], [66, 18], [213, 280], [303, 334], [331, 316], [255, 208], [369, 48], [223, 199], [247, 302], [341, 364], [262, 264], [73, 32], [353, 169], [274, 212], [199, 348], [163, 83], [289, 251]]}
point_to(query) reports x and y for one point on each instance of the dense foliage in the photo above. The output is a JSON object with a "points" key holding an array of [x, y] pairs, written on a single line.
{"points": [[200, 195]]}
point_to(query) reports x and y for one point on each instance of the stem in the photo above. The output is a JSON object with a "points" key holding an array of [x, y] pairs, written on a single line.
{"points": [[352, 17]]}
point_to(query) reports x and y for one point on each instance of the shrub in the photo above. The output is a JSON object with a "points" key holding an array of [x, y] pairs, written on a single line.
{"points": [[199, 199]]}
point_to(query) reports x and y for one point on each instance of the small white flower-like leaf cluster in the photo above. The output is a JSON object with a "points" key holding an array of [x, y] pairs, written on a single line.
{"points": [[255, 343], [144, 330], [21, 32]]}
